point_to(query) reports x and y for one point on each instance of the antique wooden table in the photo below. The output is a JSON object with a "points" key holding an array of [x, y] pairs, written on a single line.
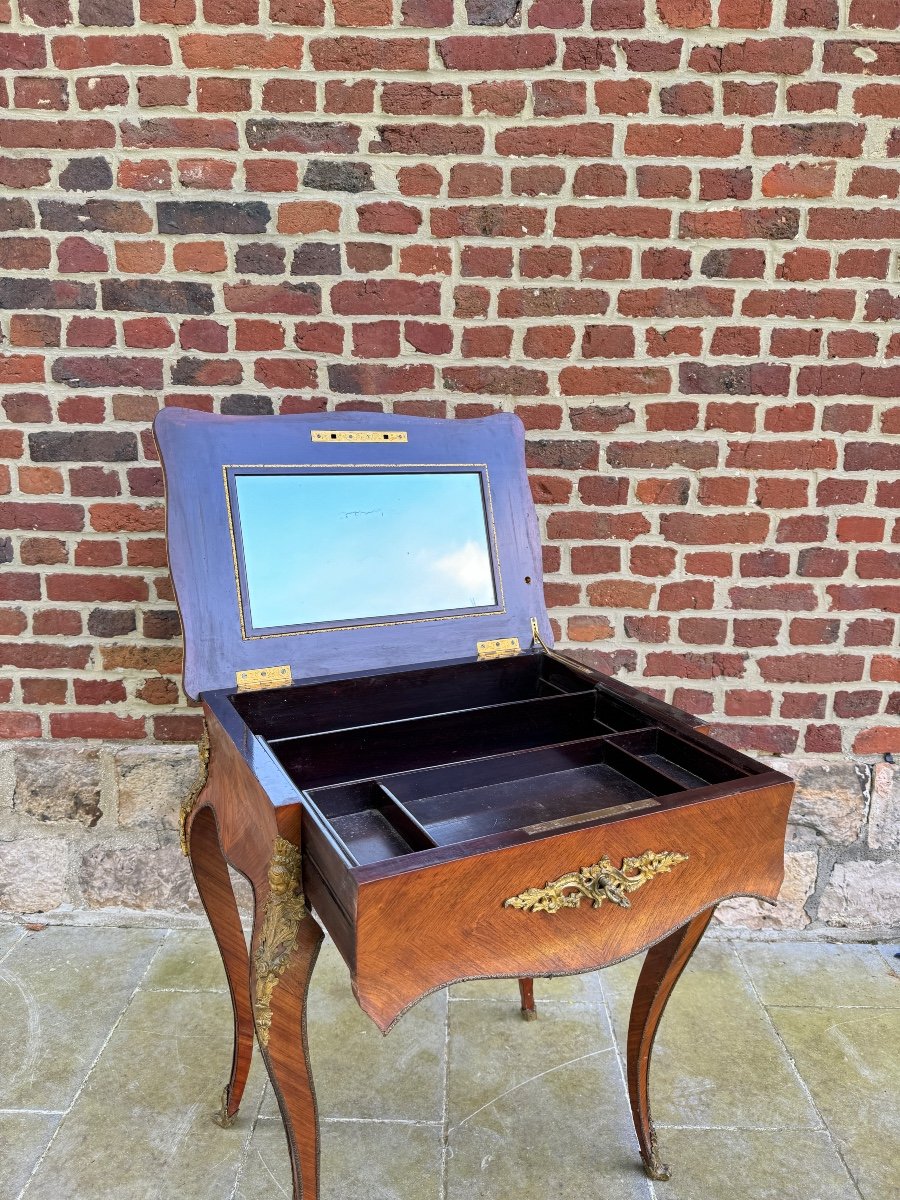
{"points": [[397, 754]]}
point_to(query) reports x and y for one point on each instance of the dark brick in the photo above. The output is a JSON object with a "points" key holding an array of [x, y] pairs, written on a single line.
{"points": [[86, 175], [316, 258], [16, 214], [83, 445], [103, 216], [106, 12], [212, 216], [744, 379], [111, 622], [303, 137], [260, 258], [161, 624], [156, 296], [46, 293], [562, 455], [6, 549], [240, 405], [206, 372], [338, 176], [494, 12]]}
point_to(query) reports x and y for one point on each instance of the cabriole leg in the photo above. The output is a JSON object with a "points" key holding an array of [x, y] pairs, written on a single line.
{"points": [[214, 885], [659, 974], [285, 946]]}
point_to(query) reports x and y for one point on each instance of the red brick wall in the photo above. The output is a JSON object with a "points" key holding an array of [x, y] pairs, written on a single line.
{"points": [[661, 232]]}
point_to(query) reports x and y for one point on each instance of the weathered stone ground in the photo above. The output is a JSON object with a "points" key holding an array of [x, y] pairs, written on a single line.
{"points": [[777, 1074]]}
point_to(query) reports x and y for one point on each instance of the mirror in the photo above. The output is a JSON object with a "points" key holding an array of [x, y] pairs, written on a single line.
{"points": [[357, 546]]}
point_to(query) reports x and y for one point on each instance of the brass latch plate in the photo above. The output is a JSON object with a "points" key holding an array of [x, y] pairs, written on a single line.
{"points": [[498, 648], [357, 435], [262, 678]]}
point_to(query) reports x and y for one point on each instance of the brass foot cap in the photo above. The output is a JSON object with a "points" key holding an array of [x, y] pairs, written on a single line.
{"points": [[657, 1170], [222, 1117], [529, 1014]]}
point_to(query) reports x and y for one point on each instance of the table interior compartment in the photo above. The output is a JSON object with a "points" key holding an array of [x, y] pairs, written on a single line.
{"points": [[400, 695], [370, 751], [370, 822], [684, 763], [530, 792]]}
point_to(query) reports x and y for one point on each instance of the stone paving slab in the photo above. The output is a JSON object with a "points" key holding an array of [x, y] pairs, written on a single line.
{"points": [[717, 1061], [61, 991], [850, 1060], [820, 976], [361, 1160], [24, 1138], [751, 1164], [775, 1078]]}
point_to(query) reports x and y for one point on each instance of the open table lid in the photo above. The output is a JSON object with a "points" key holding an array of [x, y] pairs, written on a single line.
{"points": [[421, 507]]}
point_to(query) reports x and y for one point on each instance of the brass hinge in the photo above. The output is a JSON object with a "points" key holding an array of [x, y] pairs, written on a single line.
{"points": [[498, 648], [261, 678], [536, 638], [356, 435]]}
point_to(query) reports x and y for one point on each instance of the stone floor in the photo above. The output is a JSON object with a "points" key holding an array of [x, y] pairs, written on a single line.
{"points": [[777, 1076]]}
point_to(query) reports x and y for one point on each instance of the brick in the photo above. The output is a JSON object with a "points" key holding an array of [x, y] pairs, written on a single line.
{"points": [[302, 137], [660, 455], [427, 14], [59, 134], [763, 379], [813, 97], [375, 380], [776, 223], [490, 220], [212, 216], [778, 56], [72, 53], [610, 381], [552, 302], [679, 141], [360, 54], [677, 302], [517, 52], [856, 57], [811, 668], [684, 14], [644, 56], [618, 220], [583, 140], [226, 51], [299, 299], [622, 97], [207, 133], [422, 99], [847, 224], [588, 54], [428, 139], [386, 297], [828, 139]]}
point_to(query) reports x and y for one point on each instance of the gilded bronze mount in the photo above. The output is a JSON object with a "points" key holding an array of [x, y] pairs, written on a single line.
{"points": [[598, 882]]}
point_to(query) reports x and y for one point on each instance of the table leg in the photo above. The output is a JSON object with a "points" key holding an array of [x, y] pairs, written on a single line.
{"points": [[661, 970], [214, 885], [526, 991], [285, 946]]}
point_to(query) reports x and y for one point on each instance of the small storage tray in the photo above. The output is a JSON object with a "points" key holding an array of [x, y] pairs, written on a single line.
{"points": [[530, 792]]}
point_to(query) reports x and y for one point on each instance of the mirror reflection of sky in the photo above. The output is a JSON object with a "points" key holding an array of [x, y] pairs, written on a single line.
{"points": [[326, 548]]}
